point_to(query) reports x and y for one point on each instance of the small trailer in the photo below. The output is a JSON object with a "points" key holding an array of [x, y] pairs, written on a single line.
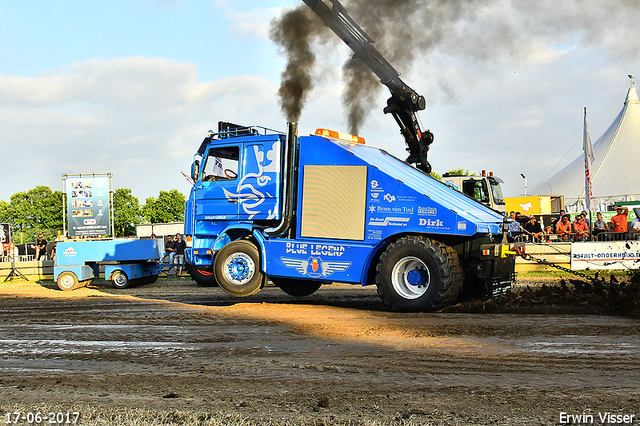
{"points": [[126, 262]]}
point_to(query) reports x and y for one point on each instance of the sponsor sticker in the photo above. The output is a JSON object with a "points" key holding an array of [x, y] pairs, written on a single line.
{"points": [[389, 221], [427, 211], [315, 267], [431, 223], [70, 252]]}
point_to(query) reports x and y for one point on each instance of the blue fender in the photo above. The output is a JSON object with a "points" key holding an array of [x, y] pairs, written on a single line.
{"points": [[233, 232], [263, 251]]}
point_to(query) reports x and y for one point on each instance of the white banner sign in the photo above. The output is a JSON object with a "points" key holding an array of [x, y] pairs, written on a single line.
{"points": [[605, 255]]}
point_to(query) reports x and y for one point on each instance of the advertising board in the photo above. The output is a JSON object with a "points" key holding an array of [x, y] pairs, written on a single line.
{"points": [[5, 233], [605, 255], [88, 206]]}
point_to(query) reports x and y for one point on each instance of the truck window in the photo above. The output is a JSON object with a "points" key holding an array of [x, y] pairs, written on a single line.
{"points": [[476, 189], [221, 164], [496, 191]]}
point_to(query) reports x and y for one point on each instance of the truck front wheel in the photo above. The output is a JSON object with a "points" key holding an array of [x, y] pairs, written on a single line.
{"points": [[237, 268], [418, 274]]}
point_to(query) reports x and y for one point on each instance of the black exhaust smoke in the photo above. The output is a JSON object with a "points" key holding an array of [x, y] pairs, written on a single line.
{"points": [[473, 32], [295, 32]]}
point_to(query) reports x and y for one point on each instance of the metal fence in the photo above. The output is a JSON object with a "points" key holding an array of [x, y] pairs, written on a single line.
{"points": [[571, 238]]}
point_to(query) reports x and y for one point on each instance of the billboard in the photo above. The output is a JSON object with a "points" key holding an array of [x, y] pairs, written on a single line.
{"points": [[529, 205], [5, 233], [88, 205], [605, 255]]}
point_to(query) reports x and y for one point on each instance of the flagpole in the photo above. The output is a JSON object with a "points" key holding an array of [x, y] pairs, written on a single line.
{"points": [[588, 158]]}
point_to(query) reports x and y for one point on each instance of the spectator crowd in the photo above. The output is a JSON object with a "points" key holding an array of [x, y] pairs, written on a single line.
{"points": [[562, 229]]}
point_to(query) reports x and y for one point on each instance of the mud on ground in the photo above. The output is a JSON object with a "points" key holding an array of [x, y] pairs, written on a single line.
{"points": [[174, 353]]}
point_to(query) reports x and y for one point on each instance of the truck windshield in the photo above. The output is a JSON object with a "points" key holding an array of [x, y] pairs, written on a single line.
{"points": [[496, 191]]}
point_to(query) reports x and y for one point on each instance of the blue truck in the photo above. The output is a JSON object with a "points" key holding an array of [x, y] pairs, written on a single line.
{"points": [[310, 210], [302, 211]]}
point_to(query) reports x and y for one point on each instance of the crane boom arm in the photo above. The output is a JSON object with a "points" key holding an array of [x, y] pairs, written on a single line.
{"points": [[404, 101]]}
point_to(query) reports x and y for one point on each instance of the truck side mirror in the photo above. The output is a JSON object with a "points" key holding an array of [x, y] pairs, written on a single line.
{"points": [[195, 170]]}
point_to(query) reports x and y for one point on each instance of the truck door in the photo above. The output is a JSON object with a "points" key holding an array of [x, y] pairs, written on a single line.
{"points": [[259, 189], [219, 176]]}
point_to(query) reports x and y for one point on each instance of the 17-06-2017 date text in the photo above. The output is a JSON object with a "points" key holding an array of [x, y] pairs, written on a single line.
{"points": [[52, 418]]}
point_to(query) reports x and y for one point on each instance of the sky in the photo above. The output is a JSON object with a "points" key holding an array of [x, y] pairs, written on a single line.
{"points": [[132, 87]]}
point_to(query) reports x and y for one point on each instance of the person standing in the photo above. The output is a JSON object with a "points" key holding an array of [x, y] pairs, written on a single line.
{"points": [[600, 226], [620, 220], [180, 246]]}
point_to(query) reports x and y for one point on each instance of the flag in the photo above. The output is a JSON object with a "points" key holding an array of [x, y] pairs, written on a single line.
{"points": [[218, 170], [588, 158]]}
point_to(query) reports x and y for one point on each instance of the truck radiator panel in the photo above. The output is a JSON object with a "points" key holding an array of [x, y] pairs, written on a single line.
{"points": [[334, 202]]}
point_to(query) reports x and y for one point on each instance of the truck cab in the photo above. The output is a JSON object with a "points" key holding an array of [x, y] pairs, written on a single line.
{"points": [[484, 189]]}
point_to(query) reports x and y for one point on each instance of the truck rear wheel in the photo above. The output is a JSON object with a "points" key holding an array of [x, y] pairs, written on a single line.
{"points": [[417, 274], [237, 268], [120, 280], [202, 277], [297, 288]]}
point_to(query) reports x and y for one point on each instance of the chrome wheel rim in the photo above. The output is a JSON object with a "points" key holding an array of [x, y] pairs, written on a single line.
{"points": [[239, 269], [410, 277]]}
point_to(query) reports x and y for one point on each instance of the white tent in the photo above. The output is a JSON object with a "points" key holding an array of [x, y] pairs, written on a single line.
{"points": [[615, 171]]}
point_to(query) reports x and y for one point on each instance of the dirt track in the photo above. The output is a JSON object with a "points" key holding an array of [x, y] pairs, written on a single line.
{"points": [[332, 358]]}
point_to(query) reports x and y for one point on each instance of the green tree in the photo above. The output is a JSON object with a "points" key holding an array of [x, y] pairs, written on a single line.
{"points": [[168, 207], [460, 172], [5, 211], [126, 212], [34, 211]]}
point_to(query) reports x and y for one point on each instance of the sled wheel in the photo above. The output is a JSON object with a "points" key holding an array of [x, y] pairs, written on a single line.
{"points": [[418, 274], [120, 280], [237, 268], [297, 288], [68, 281], [203, 278]]}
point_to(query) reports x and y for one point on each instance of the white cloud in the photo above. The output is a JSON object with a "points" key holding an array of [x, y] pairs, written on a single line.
{"points": [[246, 21], [139, 118], [252, 24]]}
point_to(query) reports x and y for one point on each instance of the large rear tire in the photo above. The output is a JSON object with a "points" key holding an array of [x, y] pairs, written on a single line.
{"points": [[418, 274], [202, 277], [237, 268], [297, 288]]}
